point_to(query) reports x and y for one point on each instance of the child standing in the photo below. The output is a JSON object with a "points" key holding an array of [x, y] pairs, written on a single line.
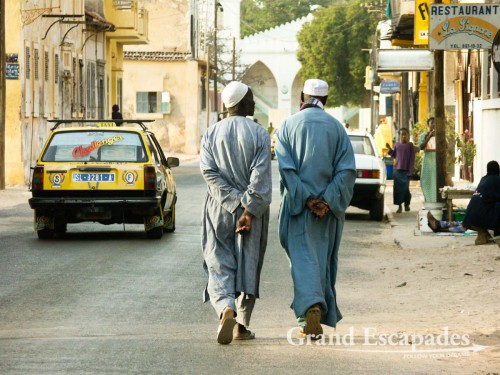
{"points": [[404, 153]]}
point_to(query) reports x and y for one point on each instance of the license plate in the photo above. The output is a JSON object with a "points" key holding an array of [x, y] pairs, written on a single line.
{"points": [[93, 177]]}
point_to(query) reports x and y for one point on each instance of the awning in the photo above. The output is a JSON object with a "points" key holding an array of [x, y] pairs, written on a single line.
{"points": [[404, 60]]}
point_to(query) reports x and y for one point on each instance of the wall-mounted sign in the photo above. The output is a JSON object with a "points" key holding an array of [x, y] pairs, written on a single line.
{"points": [[11, 71], [421, 24], [404, 60], [463, 26], [495, 52], [390, 86]]}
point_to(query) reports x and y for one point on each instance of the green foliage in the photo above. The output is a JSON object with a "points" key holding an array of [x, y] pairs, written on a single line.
{"points": [[466, 148], [264, 14], [331, 48]]}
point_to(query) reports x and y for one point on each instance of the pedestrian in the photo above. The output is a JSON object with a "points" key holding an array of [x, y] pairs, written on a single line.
{"points": [[404, 153], [483, 210], [383, 136], [317, 170], [236, 164], [116, 114], [427, 143]]}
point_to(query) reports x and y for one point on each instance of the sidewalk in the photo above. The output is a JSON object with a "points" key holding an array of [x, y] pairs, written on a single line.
{"points": [[405, 225]]}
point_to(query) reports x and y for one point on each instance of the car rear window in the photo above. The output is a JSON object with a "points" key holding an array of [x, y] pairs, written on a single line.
{"points": [[95, 146], [361, 145]]}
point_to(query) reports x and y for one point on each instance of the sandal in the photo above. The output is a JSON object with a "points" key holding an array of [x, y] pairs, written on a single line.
{"points": [[313, 322], [226, 326], [248, 335]]}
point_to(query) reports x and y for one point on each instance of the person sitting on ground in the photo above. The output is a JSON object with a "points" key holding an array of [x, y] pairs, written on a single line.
{"points": [[483, 210]]}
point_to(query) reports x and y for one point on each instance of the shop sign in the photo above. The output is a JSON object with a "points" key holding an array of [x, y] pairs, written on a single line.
{"points": [[463, 26], [390, 86]]}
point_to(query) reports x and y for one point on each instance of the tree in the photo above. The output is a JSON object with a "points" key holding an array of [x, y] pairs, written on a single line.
{"points": [[331, 48], [264, 14]]}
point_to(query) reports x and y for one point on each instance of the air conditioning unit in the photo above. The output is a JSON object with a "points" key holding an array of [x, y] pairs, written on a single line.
{"points": [[67, 73]]}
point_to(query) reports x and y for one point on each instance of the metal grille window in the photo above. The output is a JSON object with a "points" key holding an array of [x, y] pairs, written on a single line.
{"points": [[56, 69], [46, 67], [37, 58], [91, 87], [27, 62], [81, 88], [75, 91]]}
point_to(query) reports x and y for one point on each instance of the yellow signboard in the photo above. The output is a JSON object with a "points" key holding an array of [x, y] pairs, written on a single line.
{"points": [[421, 23]]}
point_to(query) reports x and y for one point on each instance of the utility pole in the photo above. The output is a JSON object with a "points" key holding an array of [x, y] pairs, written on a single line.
{"points": [[2, 94], [233, 70], [216, 99], [441, 144]]}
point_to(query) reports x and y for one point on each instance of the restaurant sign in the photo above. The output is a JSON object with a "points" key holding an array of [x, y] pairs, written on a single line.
{"points": [[463, 26]]}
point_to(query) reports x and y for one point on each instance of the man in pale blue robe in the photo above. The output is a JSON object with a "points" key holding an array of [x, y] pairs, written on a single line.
{"points": [[317, 170], [235, 160]]}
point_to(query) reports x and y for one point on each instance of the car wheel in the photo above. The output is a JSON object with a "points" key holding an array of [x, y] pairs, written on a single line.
{"points": [[377, 209], [45, 234], [169, 219], [155, 233], [60, 227]]}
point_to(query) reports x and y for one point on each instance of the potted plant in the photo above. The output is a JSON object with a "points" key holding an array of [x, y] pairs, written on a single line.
{"points": [[466, 153]]}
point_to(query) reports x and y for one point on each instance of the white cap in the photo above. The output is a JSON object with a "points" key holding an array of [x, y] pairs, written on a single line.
{"points": [[315, 87], [233, 93]]}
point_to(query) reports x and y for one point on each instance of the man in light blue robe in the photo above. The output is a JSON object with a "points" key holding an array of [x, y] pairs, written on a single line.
{"points": [[317, 170], [235, 161]]}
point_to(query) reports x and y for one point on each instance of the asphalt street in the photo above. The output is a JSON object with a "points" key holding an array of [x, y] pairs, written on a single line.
{"points": [[104, 300]]}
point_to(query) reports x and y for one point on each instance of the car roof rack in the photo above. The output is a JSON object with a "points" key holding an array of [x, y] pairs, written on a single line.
{"points": [[117, 122]]}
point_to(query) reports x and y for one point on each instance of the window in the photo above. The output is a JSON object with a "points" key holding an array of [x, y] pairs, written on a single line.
{"points": [[74, 101], [91, 87], [27, 62], [148, 102], [153, 102], [46, 66], [81, 96], [37, 58], [56, 69]]}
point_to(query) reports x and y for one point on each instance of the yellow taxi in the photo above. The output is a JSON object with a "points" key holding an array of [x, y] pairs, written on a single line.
{"points": [[106, 172]]}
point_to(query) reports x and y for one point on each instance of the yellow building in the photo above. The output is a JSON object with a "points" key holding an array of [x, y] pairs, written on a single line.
{"points": [[13, 156], [68, 68], [163, 80], [131, 28]]}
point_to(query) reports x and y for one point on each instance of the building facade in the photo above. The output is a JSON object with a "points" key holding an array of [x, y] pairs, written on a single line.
{"points": [[68, 68]]}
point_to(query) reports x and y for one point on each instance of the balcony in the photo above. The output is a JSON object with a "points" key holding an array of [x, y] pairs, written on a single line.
{"points": [[403, 15], [130, 20]]}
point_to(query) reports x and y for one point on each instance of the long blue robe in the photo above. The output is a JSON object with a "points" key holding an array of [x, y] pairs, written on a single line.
{"points": [[316, 160], [235, 160]]}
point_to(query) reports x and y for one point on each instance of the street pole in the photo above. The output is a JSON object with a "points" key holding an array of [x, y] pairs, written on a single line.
{"points": [[216, 99], [439, 114], [2, 94], [234, 59], [207, 87]]}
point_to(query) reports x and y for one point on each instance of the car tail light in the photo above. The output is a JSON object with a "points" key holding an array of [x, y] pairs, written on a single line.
{"points": [[37, 182], [149, 178], [367, 173]]}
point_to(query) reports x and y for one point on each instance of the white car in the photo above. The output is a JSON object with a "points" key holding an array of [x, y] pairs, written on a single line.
{"points": [[371, 175]]}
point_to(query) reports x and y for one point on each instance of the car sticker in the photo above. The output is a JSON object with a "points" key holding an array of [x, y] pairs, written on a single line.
{"points": [[81, 151], [56, 179], [42, 222], [153, 222], [130, 177]]}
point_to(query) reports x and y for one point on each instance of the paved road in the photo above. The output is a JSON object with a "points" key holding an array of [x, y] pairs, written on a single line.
{"points": [[106, 301]]}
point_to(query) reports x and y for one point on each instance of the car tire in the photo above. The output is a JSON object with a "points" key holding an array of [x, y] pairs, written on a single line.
{"points": [[60, 227], [155, 233], [169, 219], [377, 209], [45, 234]]}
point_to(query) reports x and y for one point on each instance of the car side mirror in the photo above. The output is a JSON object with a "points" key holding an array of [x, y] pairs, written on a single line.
{"points": [[172, 162]]}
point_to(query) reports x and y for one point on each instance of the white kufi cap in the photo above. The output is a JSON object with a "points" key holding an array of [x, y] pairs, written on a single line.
{"points": [[315, 87], [233, 93]]}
